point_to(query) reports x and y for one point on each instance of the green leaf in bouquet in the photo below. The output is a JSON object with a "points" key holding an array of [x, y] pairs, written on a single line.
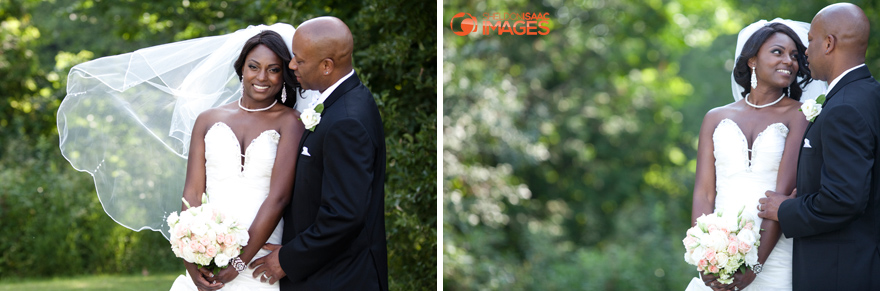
{"points": [[185, 202]]}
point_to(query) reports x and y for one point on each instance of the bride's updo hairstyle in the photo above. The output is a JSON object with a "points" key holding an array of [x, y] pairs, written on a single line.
{"points": [[742, 73], [274, 42]]}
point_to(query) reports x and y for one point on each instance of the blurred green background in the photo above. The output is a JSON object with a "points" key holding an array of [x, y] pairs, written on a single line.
{"points": [[50, 217], [569, 158]]}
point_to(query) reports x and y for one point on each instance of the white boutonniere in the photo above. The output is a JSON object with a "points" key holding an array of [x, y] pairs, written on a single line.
{"points": [[311, 117], [812, 108]]}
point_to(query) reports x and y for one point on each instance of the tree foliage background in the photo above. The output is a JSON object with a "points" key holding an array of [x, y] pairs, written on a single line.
{"points": [[50, 217], [569, 158]]}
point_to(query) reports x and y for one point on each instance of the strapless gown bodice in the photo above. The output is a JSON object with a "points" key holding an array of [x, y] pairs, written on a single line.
{"points": [[235, 188], [740, 180], [238, 189]]}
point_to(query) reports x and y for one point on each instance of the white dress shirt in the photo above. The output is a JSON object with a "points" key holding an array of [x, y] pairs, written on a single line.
{"points": [[834, 82], [330, 90]]}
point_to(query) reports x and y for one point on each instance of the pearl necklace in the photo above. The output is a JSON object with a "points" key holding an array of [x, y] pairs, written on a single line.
{"points": [[760, 106], [261, 109]]}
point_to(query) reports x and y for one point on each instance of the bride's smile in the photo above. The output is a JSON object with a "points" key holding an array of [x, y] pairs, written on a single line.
{"points": [[262, 77]]}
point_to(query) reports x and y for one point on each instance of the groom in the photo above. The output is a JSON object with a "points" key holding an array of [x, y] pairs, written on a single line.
{"points": [[835, 219], [334, 227]]}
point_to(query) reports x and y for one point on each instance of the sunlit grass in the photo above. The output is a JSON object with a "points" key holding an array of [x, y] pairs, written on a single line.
{"points": [[96, 282]]}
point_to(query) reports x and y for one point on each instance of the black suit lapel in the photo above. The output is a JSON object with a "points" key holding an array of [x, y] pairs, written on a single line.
{"points": [[850, 77], [343, 88]]}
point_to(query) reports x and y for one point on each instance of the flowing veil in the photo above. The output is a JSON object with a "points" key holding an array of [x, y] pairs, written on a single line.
{"points": [[813, 90], [127, 119]]}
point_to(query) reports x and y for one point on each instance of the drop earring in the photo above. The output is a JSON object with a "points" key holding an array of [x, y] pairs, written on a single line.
{"points": [[754, 79], [283, 92]]}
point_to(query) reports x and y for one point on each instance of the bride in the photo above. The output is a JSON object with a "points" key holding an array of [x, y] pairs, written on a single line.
{"points": [[137, 121], [234, 158], [751, 145]]}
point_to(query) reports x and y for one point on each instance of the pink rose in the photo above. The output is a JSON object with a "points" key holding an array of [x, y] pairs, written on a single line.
{"points": [[710, 254], [211, 251], [712, 228], [713, 269], [732, 248], [744, 247]]}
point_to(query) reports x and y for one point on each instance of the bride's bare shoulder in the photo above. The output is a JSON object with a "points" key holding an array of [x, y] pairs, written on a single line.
{"points": [[214, 115], [715, 115]]}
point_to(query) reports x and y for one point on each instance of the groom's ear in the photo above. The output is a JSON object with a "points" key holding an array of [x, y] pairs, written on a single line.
{"points": [[830, 43], [327, 66]]}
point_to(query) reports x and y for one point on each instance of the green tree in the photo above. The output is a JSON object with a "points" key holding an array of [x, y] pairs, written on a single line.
{"points": [[52, 210], [569, 157]]}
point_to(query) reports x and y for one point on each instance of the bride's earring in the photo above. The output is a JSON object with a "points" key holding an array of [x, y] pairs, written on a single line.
{"points": [[754, 79], [283, 92]]}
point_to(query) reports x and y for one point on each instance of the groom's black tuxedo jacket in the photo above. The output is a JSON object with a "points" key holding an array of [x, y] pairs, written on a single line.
{"points": [[835, 220], [334, 227]]}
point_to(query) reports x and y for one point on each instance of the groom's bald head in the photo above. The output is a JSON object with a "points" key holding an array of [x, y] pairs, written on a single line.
{"points": [[848, 24], [838, 40]]}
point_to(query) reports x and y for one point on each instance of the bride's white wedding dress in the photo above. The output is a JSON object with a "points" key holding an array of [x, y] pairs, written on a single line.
{"points": [[741, 181], [238, 190]]}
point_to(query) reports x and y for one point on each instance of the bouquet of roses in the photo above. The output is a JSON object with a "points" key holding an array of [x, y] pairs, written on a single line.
{"points": [[720, 244], [205, 236]]}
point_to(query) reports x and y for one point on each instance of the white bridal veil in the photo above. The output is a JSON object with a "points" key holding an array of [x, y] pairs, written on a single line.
{"points": [[813, 90], [127, 119]]}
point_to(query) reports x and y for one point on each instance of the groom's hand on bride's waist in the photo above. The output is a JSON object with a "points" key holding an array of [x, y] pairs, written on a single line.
{"points": [[769, 206]]}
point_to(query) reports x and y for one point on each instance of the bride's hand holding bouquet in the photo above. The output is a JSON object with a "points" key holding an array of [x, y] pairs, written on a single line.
{"points": [[206, 238], [720, 245]]}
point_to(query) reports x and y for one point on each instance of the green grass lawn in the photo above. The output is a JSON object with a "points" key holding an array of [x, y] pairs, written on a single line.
{"points": [[96, 282]]}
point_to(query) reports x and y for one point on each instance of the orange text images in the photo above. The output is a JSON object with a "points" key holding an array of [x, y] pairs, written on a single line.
{"points": [[532, 27]]}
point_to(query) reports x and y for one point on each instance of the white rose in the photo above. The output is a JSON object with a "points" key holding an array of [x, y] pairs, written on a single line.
{"points": [[811, 109], [310, 118], [172, 219], [747, 236], [688, 258], [752, 257], [199, 229], [698, 253], [243, 238], [693, 231], [231, 252], [719, 241], [722, 259], [221, 259]]}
